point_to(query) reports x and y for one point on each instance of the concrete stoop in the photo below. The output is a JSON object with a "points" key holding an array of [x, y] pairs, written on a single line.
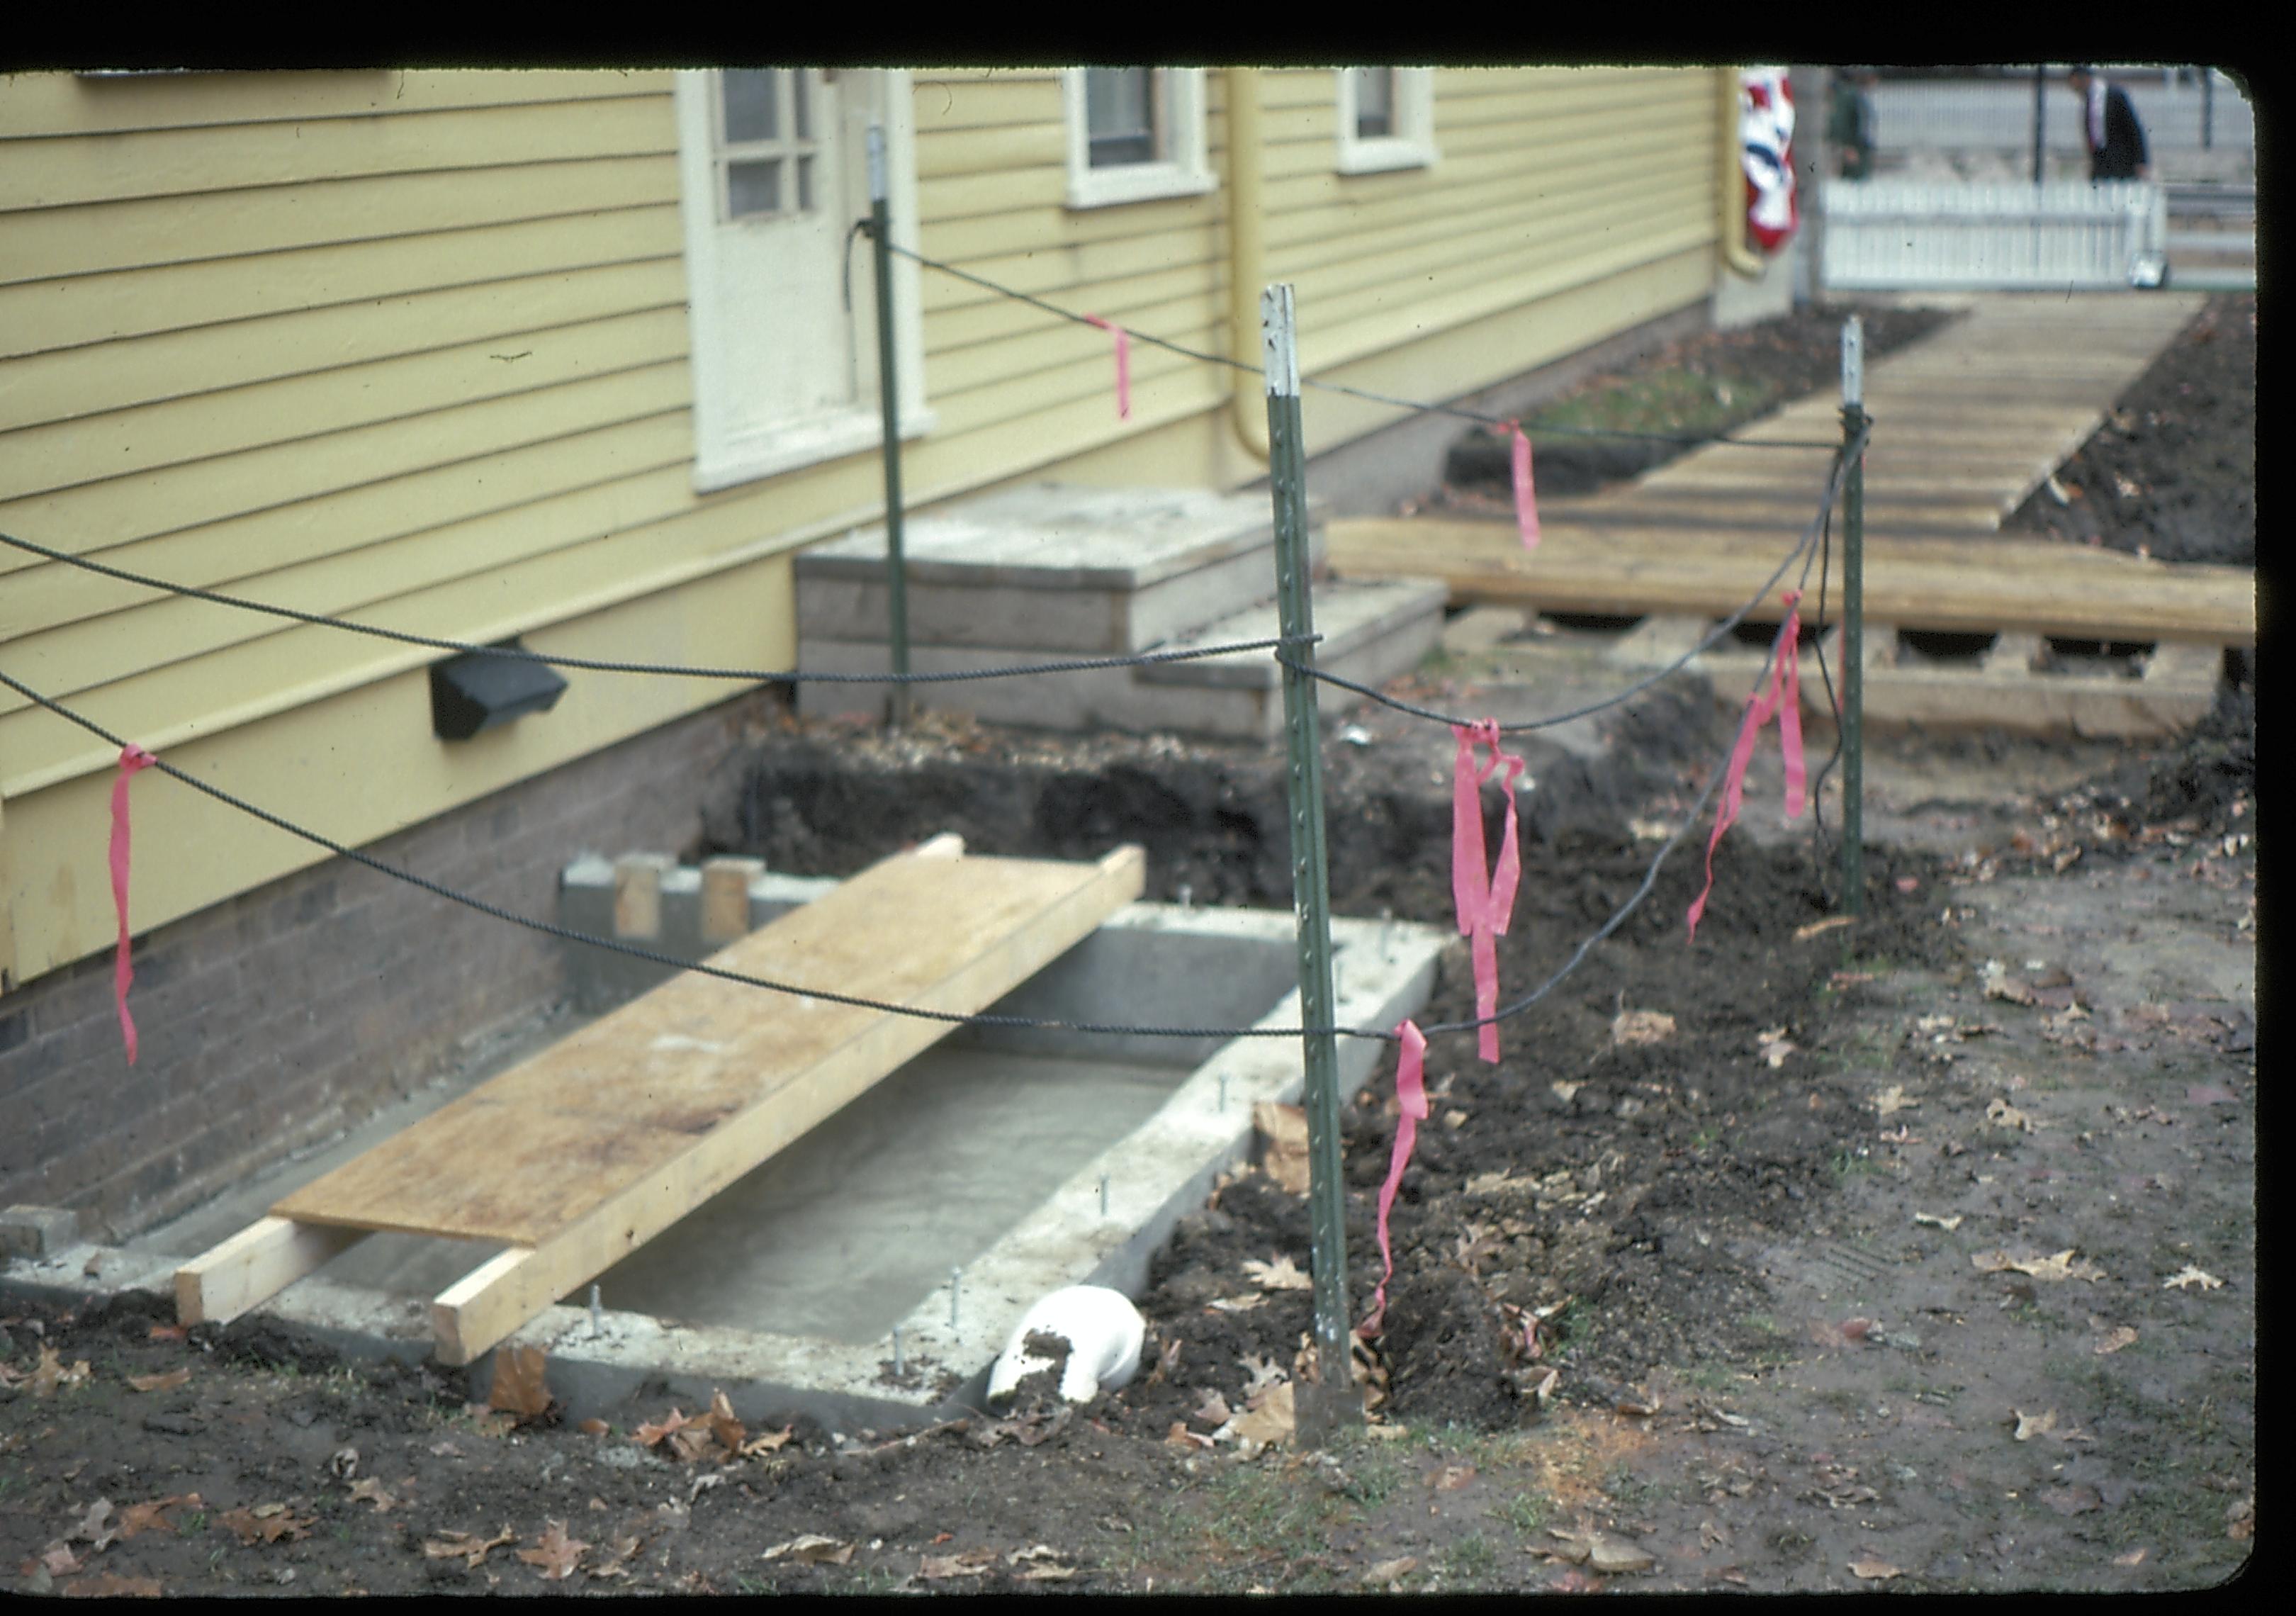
{"points": [[1052, 571]]}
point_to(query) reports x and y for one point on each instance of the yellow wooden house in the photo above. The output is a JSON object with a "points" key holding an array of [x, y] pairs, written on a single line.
{"points": [[587, 357]]}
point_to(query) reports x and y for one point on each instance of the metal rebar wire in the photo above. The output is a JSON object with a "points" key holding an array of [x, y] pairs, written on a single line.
{"points": [[1415, 406], [1801, 546], [1098, 1029], [747, 676], [569, 934]]}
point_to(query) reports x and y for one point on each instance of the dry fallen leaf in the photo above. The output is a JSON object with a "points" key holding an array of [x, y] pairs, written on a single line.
{"points": [[1893, 1098], [1599, 1550], [369, 1488], [519, 1385], [556, 1555], [1947, 1223], [1451, 1478], [1873, 1570], [58, 1559], [2120, 1338], [2031, 1425], [1387, 1573], [972, 1562], [2188, 1276], [1641, 1027], [266, 1523], [1284, 1148], [1282, 1275], [1564, 1091], [172, 1379], [2002, 1114], [1213, 1410], [2055, 1269], [96, 1529], [2135, 1556], [1235, 1304], [1774, 1048], [1802, 934], [143, 1517], [1044, 1563], [470, 1549], [52, 1372], [728, 1431], [811, 1548], [768, 1442], [1269, 1419], [648, 1434]]}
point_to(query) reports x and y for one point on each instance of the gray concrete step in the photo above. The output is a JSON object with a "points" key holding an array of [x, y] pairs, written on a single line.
{"points": [[1066, 570], [1372, 632]]}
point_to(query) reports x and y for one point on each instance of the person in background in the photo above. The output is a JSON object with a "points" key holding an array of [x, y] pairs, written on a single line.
{"points": [[2115, 139], [1851, 128]]}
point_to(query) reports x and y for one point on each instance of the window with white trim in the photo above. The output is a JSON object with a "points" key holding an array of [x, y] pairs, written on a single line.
{"points": [[1135, 134], [1386, 118]]}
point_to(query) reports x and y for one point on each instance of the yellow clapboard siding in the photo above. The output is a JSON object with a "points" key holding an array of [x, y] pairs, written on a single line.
{"points": [[626, 484], [1329, 203], [996, 98], [1082, 394], [291, 664], [98, 514], [1584, 201], [210, 359], [1132, 300], [1053, 344], [130, 303], [1351, 331], [168, 162], [395, 774], [297, 409], [139, 233], [246, 546], [965, 196], [66, 104], [1054, 273], [943, 154], [1497, 247]]}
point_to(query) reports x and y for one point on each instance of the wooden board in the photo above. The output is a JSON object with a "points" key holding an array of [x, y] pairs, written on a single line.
{"points": [[527, 1155], [1997, 585]]}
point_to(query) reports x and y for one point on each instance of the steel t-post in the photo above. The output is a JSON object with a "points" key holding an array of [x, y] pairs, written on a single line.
{"points": [[1853, 620], [1331, 1402], [896, 600]]}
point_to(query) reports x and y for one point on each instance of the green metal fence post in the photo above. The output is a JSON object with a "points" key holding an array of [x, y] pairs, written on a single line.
{"points": [[1331, 1401], [1853, 621], [896, 600]]}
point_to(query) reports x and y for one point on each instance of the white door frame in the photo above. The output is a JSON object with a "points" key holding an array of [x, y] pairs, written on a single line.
{"points": [[725, 452]]}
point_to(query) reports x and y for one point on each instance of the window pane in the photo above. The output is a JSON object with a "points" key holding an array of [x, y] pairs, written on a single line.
{"points": [[1121, 115], [752, 104], [1374, 103], [753, 188], [801, 95], [805, 184]]}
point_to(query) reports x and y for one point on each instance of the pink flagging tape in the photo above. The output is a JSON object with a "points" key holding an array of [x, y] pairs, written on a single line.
{"points": [[1485, 899], [1411, 1103], [131, 758], [1123, 365], [1526, 503], [1784, 697]]}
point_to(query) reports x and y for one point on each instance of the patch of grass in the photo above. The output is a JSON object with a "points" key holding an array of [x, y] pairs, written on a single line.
{"points": [[868, 1580], [1472, 1558], [1261, 1513], [1761, 1324], [1628, 1490], [1708, 1377], [1528, 1512]]}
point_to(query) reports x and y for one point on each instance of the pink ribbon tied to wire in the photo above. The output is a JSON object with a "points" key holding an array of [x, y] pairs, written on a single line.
{"points": [[1411, 1103], [1123, 364], [1485, 898], [1784, 698], [132, 757], [1526, 503]]}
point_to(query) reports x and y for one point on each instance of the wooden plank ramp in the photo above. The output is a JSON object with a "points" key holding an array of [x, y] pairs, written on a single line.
{"points": [[584, 1152], [1967, 424]]}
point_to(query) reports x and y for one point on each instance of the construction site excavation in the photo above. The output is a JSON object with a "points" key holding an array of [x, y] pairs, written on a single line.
{"points": [[1514, 1137]]}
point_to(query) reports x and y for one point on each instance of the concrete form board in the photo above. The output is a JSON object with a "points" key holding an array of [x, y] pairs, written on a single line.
{"points": [[1155, 1172]]}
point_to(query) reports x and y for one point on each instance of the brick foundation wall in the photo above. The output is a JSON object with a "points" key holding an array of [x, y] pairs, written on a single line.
{"points": [[273, 1021]]}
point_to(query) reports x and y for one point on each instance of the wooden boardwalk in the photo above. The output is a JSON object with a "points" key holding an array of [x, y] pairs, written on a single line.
{"points": [[1968, 423], [600, 1142]]}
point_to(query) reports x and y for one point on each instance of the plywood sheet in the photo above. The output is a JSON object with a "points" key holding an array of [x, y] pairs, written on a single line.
{"points": [[636, 1098]]}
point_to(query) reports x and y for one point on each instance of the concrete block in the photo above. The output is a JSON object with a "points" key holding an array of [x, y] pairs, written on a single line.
{"points": [[637, 894], [1480, 627], [37, 1231], [726, 898], [1371, 631]]}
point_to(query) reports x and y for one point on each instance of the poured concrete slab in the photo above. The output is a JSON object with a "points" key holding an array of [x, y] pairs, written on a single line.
{"points": [[1052, 566], [1022, 1159]]}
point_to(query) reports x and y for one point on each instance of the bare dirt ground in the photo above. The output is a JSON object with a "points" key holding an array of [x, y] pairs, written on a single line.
{"points": [[1915, 1253]]}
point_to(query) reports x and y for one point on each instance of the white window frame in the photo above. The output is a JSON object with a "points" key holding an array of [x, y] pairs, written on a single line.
{"points": [[1413, 143], [1184, 169]]}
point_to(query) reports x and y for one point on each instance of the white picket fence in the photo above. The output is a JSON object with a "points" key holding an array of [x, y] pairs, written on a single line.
{"points": [[1883, 235]]}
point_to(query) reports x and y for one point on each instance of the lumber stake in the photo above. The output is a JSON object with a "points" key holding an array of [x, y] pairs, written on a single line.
{"points": [[896, 600]]}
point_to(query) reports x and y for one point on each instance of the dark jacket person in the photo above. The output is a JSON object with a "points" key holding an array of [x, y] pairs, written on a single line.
{"points": [[2108, 128]]}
